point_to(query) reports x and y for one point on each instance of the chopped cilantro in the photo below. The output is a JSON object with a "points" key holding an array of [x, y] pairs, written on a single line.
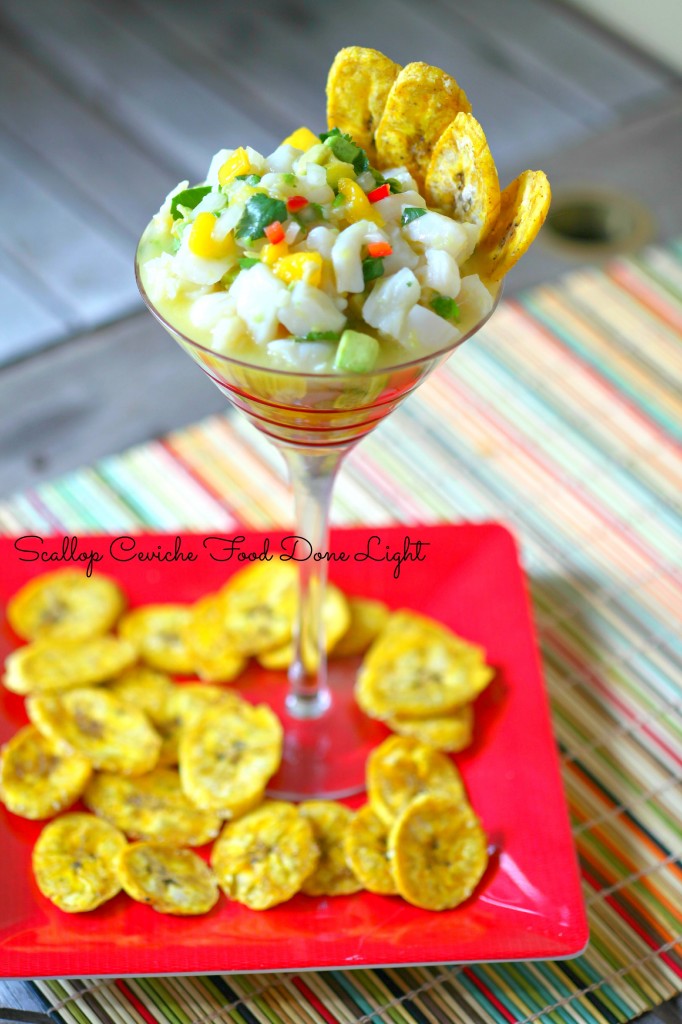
{"points": [[392, 183], [395, 186], [445, 307], [343, 148], [372, 267], [250, 179], [260, 211], [411, 213], [248, 261], [320, 336], [189, 198]]}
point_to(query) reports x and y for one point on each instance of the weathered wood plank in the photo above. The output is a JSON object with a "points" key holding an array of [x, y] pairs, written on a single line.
{"points": [[89, 165], [154, 99], [59, 255], [17, 995], [26, 323]]}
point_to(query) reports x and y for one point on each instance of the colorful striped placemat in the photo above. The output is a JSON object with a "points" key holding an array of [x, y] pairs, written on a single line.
{"points": [[560, 420]]}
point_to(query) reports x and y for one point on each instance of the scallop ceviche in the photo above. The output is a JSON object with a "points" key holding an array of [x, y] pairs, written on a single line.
{"points": [[311, 260]]}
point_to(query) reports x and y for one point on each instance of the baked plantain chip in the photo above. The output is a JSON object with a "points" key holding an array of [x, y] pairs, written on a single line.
{"points": [[55, 665], [74, 862], [450, 732], [206, 637], [157, 633], [330, 822], [151, 807], [366, 850], [65, 605], [438, 852], [422, 102], [264, 858], [36, 780], [523, 208], [357, 87], [461, 179], [367, 619], [113, 735], [169, 880], [336, 617], [401, 768]]}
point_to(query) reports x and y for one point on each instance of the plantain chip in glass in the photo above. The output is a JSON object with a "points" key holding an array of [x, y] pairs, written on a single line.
{"points": [[366, 850], [55, 665], [146, 688], [185, 704], [157, 633], [438, 852], [422, 102], [212, 651], [113, 735], [461, 180], [357, 87], [74, 862], [523, 208], [401, 768], [260, 605], [151, 807], [336, 616], [36, 780], [330, 822], [450, 733], [227, 756], [418, 668], [169, 880], [264, 858], [367, 619], [65, 605]]}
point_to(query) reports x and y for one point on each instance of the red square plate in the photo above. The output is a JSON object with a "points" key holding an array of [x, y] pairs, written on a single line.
{"points": [[529, 904]]}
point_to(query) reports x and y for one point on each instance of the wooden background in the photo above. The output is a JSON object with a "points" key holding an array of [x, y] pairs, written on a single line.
{"points": [[106, 104]]}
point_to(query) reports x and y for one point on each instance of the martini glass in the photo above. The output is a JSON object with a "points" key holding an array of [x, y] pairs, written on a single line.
{"points": [[314, 419]]}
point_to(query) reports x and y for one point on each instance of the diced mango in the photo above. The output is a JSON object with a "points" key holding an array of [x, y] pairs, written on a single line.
{"points": [[236, 164], [270, 254], [202, 243], [357, 205], [302, 138], [300, 266]]}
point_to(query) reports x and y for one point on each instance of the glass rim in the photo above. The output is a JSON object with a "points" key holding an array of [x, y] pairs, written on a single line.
{"points": [[242, 364]]}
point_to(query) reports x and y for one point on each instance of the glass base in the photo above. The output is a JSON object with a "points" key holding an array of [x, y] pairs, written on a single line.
{"points": [[324, 757]]}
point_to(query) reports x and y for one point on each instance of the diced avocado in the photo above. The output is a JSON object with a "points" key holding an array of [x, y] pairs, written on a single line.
{"points": [[356, 352], [315, 155], [337, 169]]}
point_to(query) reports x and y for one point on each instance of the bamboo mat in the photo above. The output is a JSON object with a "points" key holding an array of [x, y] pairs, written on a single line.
{"points": [[559, 419]]}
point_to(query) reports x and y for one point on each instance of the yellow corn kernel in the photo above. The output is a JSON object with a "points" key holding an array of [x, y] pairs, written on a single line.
{"points": [[269, 254], [236, 164], [203, 244], [302, 138], [300, 266], [357, 205]]}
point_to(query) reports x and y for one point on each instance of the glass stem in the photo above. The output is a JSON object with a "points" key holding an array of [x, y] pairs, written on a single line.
{"points": [[312, 476]]}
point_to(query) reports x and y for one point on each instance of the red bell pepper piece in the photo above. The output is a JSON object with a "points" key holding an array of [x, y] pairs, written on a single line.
{"points": [[375, 249], [296, 203], [274, 232], [379, 193]]}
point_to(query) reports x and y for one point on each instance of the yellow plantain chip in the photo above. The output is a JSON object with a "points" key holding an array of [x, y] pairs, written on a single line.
{"points": [[227, 756], [461, 179], [55, 665], [157, 633], [146, 688], [357, 87], [367, 619], [260, 605], [113, 735], [418, 668], [401, 768], [366, 850], [36, 781], [330, 822], [523, 208], [185, 704], [65, 605], [450, 733], [169, 880], [152, 807], [264, 858], [438, 852], [336, 616], [74, 862], [212, 652], [422, 102]]}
